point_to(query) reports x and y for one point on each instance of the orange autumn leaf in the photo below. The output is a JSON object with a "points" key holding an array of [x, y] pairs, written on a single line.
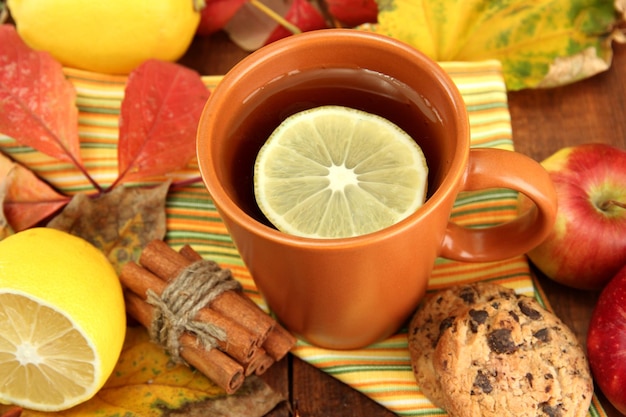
{"points": [[145, 384], [5, 228], [37, 102], [5, 166], [26, 199]]}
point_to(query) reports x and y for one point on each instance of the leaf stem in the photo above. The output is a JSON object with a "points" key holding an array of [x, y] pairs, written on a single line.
{"points": [[276, 17], [83, 170], [186, 182]]}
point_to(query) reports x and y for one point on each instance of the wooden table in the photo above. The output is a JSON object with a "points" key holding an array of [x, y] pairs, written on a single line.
{"points": [[543, 121]]}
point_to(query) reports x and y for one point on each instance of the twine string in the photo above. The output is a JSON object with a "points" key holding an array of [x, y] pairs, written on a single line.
{"points": [[175, 310]]}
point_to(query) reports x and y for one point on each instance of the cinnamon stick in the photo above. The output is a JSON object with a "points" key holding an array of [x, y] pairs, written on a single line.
{"points": [[240, 344], [259, 364], [265, 363], [214, 364], [190, 253], [279, 341], [163, 261]]}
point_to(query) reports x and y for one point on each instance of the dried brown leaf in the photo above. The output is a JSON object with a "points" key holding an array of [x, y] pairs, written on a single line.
{"points": [[576, 67], [120, 223]]}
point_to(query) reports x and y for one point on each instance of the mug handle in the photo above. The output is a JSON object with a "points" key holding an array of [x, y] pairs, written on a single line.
{"points": [[497, 168]]}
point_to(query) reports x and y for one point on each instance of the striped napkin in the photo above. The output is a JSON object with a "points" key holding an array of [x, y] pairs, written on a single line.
{"points": [[381, 371]]}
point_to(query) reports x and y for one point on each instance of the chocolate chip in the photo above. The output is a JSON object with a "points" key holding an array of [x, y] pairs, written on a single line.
{"points": [[551, 410], [505, 295], [548, 387], [542, 335], [478, 317], [468, 295], [529, 378], [445, 324], [482, 381], [500, 341], [514, 315], [528, 311]]}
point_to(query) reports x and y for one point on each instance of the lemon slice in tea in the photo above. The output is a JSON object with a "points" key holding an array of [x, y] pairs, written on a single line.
{"points": [[334, 172]]}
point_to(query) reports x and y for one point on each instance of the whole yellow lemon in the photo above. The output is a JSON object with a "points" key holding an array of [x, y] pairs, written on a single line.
{"points": [[109, 36], [62, 319]]}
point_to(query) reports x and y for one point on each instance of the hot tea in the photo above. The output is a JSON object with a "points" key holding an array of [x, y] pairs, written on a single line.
{"points": [[358, 88]]}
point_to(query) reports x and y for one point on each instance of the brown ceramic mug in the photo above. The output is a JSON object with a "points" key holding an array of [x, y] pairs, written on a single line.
{"points": [[350, 292]]}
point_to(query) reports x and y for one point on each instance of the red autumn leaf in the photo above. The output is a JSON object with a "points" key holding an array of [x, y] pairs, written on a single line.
{"points": [[216, 14], [158, 120], [37, 102], [352, 13], [302, 14], [27, 200]]}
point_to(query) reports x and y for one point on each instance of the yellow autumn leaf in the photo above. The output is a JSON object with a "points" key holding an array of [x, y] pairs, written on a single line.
{"points": [[145, 384], [540, 43]]}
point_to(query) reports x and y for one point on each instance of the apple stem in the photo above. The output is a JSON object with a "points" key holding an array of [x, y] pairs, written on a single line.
{"points": [[198, 5], [276, 17], [606, 205]]}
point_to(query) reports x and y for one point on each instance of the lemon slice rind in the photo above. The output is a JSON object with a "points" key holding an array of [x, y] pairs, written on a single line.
{"points": [[334, 171]]}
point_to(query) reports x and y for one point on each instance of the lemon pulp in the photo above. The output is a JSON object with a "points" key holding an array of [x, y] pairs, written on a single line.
{"points": [[334, 171], [45, 357]]}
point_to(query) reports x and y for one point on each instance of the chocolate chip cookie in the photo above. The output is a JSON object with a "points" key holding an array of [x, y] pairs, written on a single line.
{"points": [[510, 357], [435, 314]]}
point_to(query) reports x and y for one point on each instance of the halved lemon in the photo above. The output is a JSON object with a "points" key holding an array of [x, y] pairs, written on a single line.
{"points": [[334, 172], [62, 320]]}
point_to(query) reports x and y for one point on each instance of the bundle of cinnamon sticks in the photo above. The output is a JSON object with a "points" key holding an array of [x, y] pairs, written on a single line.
{"points": [[253, 342]]}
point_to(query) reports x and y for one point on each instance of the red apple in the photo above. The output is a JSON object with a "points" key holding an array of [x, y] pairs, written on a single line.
{"points": [[606, 341], [353, 12], [216, 14], [588, 244]]}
